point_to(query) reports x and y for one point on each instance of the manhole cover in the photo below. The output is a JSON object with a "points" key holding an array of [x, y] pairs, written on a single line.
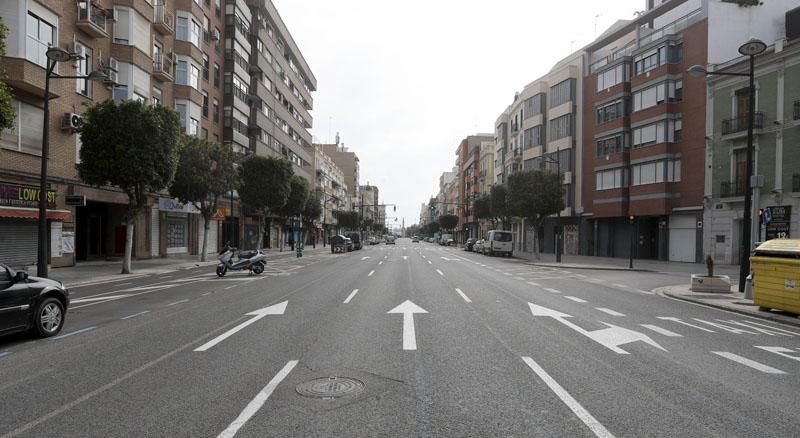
{"points": [[330, 387]]}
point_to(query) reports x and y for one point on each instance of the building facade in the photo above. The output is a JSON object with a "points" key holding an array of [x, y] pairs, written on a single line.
{"points": [[469, 159], [333, 193]]}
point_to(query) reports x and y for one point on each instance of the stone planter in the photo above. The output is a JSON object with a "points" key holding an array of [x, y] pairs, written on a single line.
{"points": [[715, 284]]}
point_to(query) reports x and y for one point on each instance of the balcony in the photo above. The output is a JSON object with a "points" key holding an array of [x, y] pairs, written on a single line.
{"points": [[92, 20], [796, 182], [739, 124], [162, 67], [163, 22], [796, 115], [731, 189]]}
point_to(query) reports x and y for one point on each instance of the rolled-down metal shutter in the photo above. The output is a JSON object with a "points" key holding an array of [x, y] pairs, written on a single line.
{"points": [[18, 242]]}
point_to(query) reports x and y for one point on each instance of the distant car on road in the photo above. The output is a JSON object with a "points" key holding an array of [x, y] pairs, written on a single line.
{"points": [[479, 246], [415, 239], [468, 245], [356, 238], [31, 303], [390, 240]]}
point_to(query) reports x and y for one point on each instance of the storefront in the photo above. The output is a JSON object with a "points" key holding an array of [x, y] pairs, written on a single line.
{"points": [[19, 215], [177, 220]]}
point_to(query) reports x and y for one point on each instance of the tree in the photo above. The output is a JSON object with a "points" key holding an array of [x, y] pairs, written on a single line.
{"points": [[295, 202], [348, 220], [434, 227], [313, 209], [535, 194], [500, 208], [264, 185], [448, 221], [205, 173], [482, 208], [6, 108], [133, 146]]}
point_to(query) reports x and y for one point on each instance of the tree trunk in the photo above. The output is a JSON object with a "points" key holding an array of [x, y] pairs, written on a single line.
{"points": [[260, 231], [280, 237], [126, 260], [204, 249]]}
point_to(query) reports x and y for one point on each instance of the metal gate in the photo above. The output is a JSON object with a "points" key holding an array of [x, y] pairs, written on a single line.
{"points": [[18, 242], [155, 233]]}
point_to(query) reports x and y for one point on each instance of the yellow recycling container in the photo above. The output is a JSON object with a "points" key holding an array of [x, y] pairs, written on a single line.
{"points": [[776, 275]]}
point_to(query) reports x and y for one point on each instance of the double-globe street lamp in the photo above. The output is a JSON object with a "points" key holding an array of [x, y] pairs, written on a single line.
{"points": [[54, 56], [750, 49]]}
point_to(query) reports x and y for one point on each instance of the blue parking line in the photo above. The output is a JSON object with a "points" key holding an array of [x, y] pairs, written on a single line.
{"points": [[76, 332], [5, 353], [135, 315]]}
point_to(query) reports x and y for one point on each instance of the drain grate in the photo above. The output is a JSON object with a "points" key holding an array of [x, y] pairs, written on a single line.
{"points": [[330, 387]]}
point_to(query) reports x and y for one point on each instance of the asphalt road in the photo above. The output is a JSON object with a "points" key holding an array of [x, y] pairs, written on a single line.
{"points": [[497, 347]]}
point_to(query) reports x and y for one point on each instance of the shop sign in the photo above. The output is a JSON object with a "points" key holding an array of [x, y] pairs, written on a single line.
{"points": [[778, 224], [12, 195], [75, 200], [220, 214], [175, 206]]}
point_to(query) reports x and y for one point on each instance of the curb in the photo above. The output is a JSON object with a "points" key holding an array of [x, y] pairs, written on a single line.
{"points": [[589, 267], [761, 315]]}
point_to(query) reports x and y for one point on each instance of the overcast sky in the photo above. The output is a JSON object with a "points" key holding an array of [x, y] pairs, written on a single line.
{"points": [[404, 82]]}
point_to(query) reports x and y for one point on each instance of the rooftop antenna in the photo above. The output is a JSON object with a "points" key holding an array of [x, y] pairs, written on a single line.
{"points": [[595, 23], [337, 139]]}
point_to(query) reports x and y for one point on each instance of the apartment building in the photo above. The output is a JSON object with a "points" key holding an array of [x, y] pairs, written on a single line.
{"points": [[485, 180], [348, 163], [368, 202], [469, 159], [330, 182], [191, 55]]}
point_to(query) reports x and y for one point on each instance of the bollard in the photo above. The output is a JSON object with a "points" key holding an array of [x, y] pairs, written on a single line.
{"points": [[748, 287]]}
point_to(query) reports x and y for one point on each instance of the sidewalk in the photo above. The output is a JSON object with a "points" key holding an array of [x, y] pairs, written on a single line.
{"points": [[86, 273], [734, 302], [620, 264]]}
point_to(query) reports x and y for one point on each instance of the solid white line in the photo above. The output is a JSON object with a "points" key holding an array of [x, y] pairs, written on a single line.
{"points": [[519, 278], [620, 285], [750, 363], [230, 287], [576, 299], [207, 293], [440, 272], [370, 273], [350, 297], [466, 298], [609, 311], [177, 302], [556, 291], [76, 332], [257, 402], [88, 300], [534, 284], [674, 319], [135, 315], [584, 415], [662, 331]]}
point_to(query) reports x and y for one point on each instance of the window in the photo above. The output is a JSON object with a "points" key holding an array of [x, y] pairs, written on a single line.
{"points": [[194, 126], [533, 106], [612, 76], [24, 137], [176, 235], [561, 127], [84, 86], [206, 65], [215, 108], [669, 91], [204, 133], [659, 132], [657, 57], [610, 179], [157, 97], [533, 137], [181, 72], [610, 145], [41, 35], [182, 112], [120, 93], [194, 77], [188, 29], [656, 172], [205, 104], [611, 111], [235, 85], [132, 28], [561, 93], [216, 75]]}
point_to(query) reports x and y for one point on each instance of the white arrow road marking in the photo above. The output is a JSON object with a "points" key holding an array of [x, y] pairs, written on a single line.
{"points": [[88, 300], [257, 402], [584, 415], [408, 309], [277, 309], [749, 363], [609, 311], [611, 337], [466, 298], [350, 297], [662, 331], [678, 320], [781, 351]]}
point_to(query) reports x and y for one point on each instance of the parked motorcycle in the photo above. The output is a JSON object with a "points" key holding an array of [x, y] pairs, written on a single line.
{"points": [[253, 261]]}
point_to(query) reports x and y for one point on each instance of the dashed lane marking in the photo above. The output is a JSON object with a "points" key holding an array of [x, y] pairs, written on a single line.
{"points": [[609, 311], [749, 362], [662, 331], [135, 315], [463, 295], [576, 299], [178, 302], [350, 297], [556, 291]]}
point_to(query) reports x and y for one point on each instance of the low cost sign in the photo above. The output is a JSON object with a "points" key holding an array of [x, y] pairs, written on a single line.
{"points": [[12, 195]]}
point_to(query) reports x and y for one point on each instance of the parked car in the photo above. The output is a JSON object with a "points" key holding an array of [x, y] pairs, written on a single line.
{"points": [[356, 238], [499, 242], [390, 240], [468, 245], [478, 246], [31, 303], [372, 241], [415, 239], [348, 243]]}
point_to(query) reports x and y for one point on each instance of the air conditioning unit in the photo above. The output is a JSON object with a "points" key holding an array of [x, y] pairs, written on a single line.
{"points": [[80, 53], [215, 35], [71, 122], [113, 64]]}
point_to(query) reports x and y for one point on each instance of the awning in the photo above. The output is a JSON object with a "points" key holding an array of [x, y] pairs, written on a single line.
{"points": [[33, 213]]}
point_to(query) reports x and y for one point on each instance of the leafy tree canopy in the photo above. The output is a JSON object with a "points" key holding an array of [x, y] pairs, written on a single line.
{"points": [[265, 182], [448, 221], [535, 194], [348, 220], [298, 195], [7, 115], [313, 207], [205, 173]]}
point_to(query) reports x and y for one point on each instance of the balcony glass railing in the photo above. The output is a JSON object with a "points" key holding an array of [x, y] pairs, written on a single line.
{"points": [[739, 123], [87, 12], [671, 28], [163, 17], [162, 64]]}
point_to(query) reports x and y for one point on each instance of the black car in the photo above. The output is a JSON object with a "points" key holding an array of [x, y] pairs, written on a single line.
{"points": [[356, 238], [31, 303], [469, 244]]}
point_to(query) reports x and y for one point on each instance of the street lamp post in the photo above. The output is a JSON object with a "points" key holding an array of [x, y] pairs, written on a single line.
{"points": [[54, 56], [750, 49]]}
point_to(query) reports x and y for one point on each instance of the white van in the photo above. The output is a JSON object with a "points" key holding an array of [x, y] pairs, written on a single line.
{"points": [[499, 242]]}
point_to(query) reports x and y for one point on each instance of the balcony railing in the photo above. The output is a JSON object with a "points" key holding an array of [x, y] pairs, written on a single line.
{"points": [[164, 21], [671, 28], [796, 182], [730, 189], [162, 67], [738, 124], [232, 55], [796, 115], [92, 20]]}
